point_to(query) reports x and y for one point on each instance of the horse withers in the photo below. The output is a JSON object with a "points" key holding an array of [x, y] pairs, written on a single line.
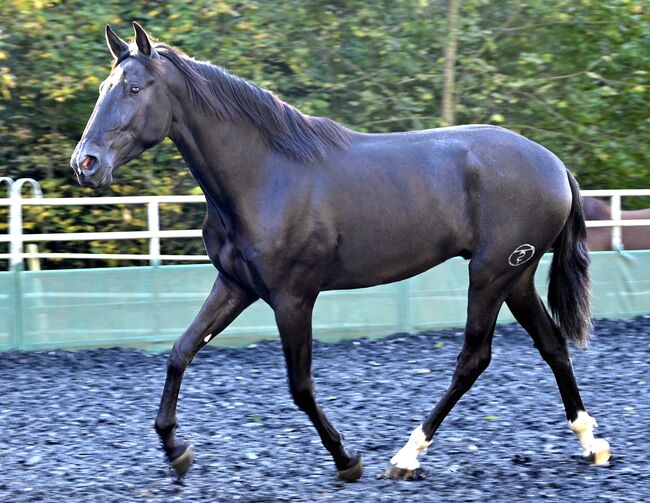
{"points": [[299, 204]]}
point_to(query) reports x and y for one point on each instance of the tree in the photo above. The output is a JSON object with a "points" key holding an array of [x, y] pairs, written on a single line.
{"points": [[572, 75], [449, 79]]}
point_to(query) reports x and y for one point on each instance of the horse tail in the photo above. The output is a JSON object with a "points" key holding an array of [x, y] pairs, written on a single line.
{"points": [[569, 288]]}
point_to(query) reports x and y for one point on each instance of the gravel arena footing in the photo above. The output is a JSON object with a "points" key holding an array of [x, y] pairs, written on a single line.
{"points": [[77, 426]]}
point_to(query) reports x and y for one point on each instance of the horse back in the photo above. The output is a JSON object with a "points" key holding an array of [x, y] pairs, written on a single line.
{"points": [[405, 202]]}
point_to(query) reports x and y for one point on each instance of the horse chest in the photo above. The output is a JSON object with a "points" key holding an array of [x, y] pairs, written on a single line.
{"points": [[231, 254]]}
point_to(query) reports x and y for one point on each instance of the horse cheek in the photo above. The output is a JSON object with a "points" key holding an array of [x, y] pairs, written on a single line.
{"points": [[156, 125]]}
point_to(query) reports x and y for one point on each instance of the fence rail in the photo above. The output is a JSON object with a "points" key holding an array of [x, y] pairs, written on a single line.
{"points": [[17, 238]]}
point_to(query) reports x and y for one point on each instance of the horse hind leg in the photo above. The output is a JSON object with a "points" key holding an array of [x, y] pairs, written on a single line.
{"points": [[485, 298], [528, 309]]}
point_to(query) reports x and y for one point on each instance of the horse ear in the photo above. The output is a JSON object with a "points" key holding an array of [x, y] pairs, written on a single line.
{"points": [[116, 45], [142, 39]]}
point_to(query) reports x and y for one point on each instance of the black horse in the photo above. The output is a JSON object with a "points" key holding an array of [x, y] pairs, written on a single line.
{"points": [[298, 204]]}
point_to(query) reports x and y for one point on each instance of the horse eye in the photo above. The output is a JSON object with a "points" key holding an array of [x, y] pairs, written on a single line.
{"points": [[134, 89]]}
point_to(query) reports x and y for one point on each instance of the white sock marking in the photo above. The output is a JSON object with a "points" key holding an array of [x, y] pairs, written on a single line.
{"points": [[407, 457], [583, 427]]}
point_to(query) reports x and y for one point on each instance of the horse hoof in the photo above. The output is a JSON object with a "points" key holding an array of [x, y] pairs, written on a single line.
{"points": [[181, 464], [354, 472], [394, 472], [601, 452]]}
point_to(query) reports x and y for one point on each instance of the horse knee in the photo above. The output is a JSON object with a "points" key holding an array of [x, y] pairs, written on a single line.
{"points": [[482, 359], [302, 394], [176, 363]]}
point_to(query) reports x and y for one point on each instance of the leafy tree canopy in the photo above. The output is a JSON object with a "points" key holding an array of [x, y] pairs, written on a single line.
{"points": [[570, 74]]}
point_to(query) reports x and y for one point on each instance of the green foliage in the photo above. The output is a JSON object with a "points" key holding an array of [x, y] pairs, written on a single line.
{"points": [[575, 79], [572, 75]]}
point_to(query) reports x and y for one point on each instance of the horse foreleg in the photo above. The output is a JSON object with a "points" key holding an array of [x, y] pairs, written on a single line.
{"points": [[225, 302], [293, 317], [483, 307], [528, 309]]}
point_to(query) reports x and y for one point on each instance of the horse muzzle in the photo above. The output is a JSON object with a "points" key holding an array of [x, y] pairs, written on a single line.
{"points": [[90, 171]]}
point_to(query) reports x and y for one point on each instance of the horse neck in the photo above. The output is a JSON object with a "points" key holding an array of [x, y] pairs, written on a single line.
{"points": [[224, 157]]}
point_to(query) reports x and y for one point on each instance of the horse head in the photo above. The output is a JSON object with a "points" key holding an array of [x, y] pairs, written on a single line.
{"points": [[133, 111]]}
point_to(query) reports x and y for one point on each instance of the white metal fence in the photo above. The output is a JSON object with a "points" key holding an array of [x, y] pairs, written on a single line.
{"points": [[615, 203], [17, 238]]}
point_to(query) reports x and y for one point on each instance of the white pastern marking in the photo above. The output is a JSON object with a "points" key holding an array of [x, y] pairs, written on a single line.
{"points": [[521, 255], [407, 457], [207, 338], [583, 427]]}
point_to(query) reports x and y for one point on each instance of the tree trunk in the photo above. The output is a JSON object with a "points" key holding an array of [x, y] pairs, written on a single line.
{"points": [[449, 75]]}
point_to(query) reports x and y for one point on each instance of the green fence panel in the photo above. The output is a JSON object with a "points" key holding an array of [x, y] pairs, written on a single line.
{"points": [[114, 306], [365, 312], [621, 284], [7, 310], [151, 306], [620, 289]]}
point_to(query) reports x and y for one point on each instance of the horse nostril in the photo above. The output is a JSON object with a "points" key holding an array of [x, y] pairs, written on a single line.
{"points": [[89, 164]]}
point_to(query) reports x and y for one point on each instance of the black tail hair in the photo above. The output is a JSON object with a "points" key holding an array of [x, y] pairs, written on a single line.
{"points": [[569, 288]]}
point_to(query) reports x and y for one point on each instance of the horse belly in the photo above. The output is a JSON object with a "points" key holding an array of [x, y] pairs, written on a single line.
{"points": [[377, 272], [387, 255]]}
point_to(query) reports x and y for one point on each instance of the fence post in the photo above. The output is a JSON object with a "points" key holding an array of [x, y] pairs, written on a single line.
{"points": [[16, 263], [15, 229], [154, 228], [617, 239], [18, 341], [16, 218], [16, 252]]}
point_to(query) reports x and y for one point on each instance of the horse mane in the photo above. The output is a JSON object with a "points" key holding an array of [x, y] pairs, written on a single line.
{"points": [[229, 97], [595, 209]]}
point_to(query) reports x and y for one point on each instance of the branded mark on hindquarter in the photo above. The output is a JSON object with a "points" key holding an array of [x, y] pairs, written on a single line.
{"points": [[521, 255]]}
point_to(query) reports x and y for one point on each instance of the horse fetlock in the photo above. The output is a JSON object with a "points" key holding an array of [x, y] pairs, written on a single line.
{"points": [[599, 452], [164, 428], [343, 459]]}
